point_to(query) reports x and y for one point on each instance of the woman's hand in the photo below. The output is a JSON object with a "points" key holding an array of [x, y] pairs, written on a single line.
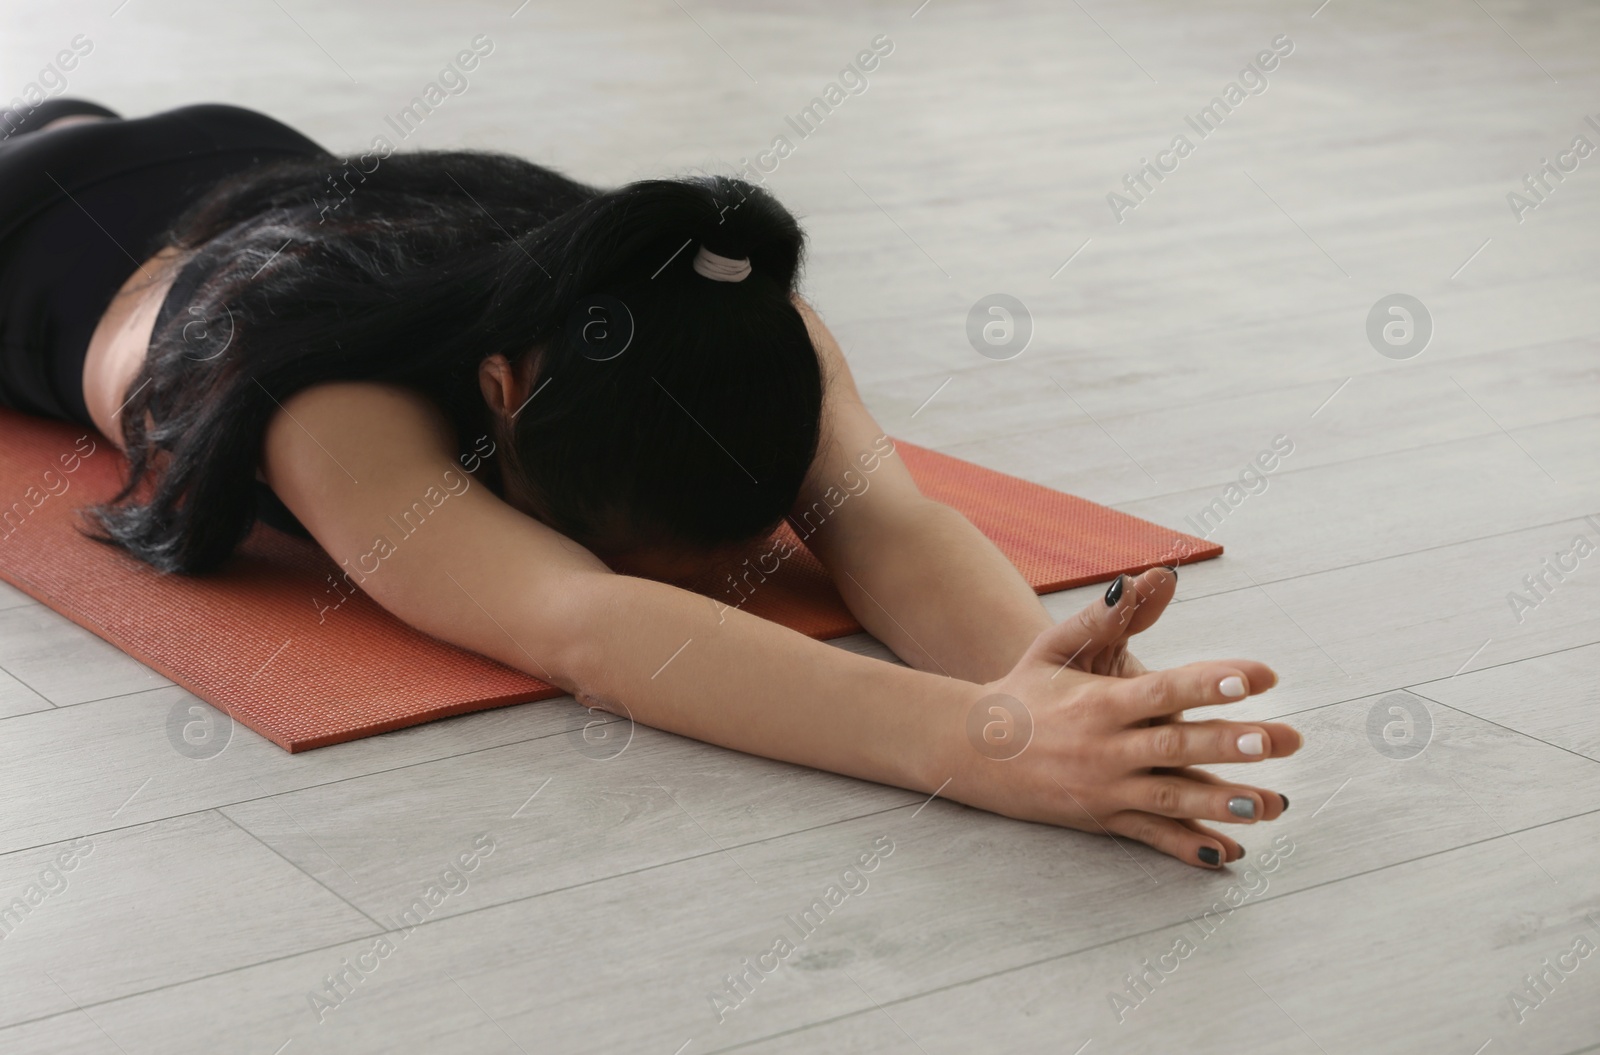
{"points": [[1066, 747], [1096, 639]]}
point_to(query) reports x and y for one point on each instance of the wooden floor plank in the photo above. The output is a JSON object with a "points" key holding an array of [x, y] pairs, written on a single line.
{"points": [[68, 769], [64, 663], [115, 914], [1552, 697], [553, 812], [1465, 928]]}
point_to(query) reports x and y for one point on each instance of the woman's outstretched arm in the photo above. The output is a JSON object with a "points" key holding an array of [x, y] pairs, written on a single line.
{"points": [[916, 573], [369, 470]]}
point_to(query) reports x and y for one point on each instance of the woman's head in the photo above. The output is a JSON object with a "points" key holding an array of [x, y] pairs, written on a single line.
{"points": [[669, 402]]}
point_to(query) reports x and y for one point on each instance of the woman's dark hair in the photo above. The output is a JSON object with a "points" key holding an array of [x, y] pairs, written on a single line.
{"points": [[696, 435]]}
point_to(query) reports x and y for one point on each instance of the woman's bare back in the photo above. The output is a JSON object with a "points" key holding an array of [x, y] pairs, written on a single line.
{"points": [[121, 340]]}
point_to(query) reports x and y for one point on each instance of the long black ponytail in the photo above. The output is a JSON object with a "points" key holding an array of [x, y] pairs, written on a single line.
{"points": [[669, 410]]}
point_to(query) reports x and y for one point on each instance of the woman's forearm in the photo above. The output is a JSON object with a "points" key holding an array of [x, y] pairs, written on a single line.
{"points": [[938, 592], [676, 661], [916, 573]]}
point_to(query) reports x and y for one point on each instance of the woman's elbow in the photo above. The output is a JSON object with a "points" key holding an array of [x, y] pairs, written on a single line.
{"points": [[575, 621]]}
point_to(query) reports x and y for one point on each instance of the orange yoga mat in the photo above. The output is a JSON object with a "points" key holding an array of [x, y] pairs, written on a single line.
{"points": [[248, 640]]}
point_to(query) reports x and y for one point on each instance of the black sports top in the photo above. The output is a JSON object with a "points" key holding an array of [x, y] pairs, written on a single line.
{"points": [[81, 207]]}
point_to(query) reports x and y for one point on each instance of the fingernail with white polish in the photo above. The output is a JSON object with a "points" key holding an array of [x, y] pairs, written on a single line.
{"points": [[1251, 744], [1232, 685], [1242, 807]]}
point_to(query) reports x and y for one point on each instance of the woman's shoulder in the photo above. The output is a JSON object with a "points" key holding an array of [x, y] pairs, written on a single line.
{"points": [[364, 419], [342, 455]]}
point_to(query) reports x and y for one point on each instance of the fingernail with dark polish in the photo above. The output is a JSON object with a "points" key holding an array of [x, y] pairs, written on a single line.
{"points": [[1173, 568], [1114, 592], [1209, 855], [1240, 856], [1285, 799], [1242, 807]]}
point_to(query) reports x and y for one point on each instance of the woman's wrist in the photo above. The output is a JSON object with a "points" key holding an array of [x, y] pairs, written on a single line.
{"points": [[942, 750]]}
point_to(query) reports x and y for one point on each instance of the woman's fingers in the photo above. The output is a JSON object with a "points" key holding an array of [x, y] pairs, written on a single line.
{"points": [[1171, 837], [1275, 801], [1206, 684], [1096, 627], [1147, 596], [1231, 850], [1130, 604], [1208, 742], [1286, 739], [1189, 841], [1171, 795]]}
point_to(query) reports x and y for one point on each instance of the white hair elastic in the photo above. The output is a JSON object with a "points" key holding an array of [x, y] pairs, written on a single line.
{"points": [[721, 268]]}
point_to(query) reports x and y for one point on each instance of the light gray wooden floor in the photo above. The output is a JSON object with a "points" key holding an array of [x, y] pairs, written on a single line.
{"points": [[212, 897]]}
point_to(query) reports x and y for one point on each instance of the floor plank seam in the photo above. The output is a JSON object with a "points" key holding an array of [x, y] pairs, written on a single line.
{"points": [[1395, 556], [275, 852], [1228, 332], [1288, 386], [114, 696], [1412, 687], [383, 772], [1507, 728], [30, 688], [289, 791]]}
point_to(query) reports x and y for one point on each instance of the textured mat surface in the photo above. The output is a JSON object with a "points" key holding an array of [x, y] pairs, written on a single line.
{"points": [[244, 641]]}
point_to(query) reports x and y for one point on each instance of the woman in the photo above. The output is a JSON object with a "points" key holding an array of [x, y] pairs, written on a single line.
{"points": [[268, 331]]}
